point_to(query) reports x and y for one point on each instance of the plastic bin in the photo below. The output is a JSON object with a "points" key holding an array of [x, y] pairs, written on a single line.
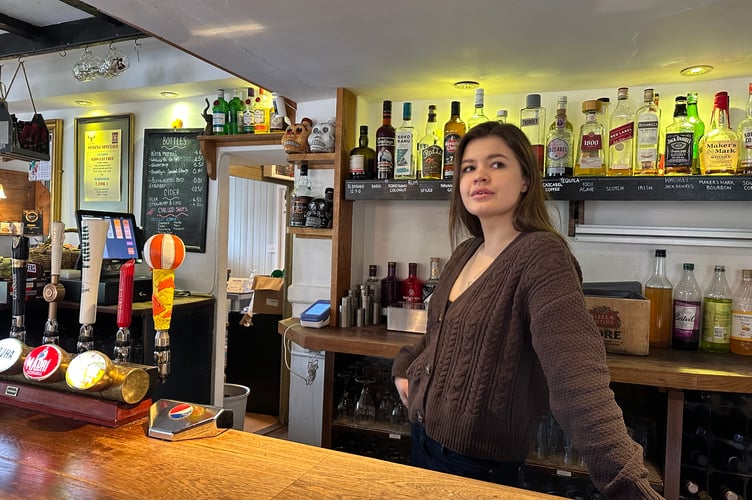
{"points": [[235, 399]]}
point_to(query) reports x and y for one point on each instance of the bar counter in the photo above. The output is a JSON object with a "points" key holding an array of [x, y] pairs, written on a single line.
{"points": [[43, 456]]}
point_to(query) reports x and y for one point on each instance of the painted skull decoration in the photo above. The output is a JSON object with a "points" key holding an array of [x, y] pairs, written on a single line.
{"points": [[321, 139], [295, 139]]}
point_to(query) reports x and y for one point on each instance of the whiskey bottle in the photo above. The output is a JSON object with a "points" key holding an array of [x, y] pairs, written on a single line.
{"points": [[679, 141], [248, 112], [716, 314], [385, 144], [412, 286], [621, 136], [745, 137], [559, 144], [685, 334], [646, 129], [699, 125], [719, 147], [430, 149], [430, 284], [659, 290], [302, 195], [590, 160], [478, 116], [454, 129], [219, 114], [362, 158], [741, 316], [404, 149], [532, 123], [235, 113]]}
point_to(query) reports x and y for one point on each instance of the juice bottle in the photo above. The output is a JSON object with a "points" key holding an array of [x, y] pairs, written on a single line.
{"points": [[741, 316], [659, 292], [716, 314]]}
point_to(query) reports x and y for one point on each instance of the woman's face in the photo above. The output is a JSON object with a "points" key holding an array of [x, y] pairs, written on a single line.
{"points": [[491, 179]]}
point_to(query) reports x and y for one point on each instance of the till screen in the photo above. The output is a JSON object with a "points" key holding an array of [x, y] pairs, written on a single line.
{"points": [[121, 239]]}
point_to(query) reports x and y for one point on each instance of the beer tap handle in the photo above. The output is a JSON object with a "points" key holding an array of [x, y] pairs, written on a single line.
{"points": [[93, 236], [124, 310], [54, 291], [19, 254], [162, 354]]}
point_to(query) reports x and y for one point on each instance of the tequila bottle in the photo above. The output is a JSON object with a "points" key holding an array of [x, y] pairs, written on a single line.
{"points": [[745, 136], [719, 147], [590, 160], [430, 152], [404, 148], [699, 125], [559, 145], [533, 123], [621, 136], [716, 314], [679, 141], [454, 129], [646, 129], [478, 116]]}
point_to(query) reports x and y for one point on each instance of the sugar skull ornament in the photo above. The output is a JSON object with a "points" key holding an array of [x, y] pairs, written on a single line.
{"points": [[321, 139], [295, 139]]}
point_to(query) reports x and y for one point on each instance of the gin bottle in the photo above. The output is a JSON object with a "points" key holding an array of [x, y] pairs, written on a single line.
{"points": [[646, 129], [478, 116], [559, 143], [412, 286], [716, 314], [248, 112], [533, 123], [621, 136], [590, 160], [391, 287], [699, 131], [430, 152], [235, 113], [404, 157], [679, 141], [685, 334], [219, 114], [745, 136], [719, 147]]}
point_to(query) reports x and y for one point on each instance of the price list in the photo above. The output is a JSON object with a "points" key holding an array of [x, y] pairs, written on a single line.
{"points": [[398, 190]]}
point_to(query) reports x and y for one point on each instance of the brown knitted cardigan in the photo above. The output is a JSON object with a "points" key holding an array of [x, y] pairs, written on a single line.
{"points": [[516, 341]]}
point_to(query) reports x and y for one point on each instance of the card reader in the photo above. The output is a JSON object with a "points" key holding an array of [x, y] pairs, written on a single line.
{"points": [[316, 315]]}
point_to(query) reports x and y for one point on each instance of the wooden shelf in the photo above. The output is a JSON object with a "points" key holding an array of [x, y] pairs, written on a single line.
{"points": [[310, 232], [313, 159], [210, 143], [397, 190]]}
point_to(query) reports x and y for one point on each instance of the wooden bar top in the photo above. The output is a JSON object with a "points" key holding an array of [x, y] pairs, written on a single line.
{"points": [[43, 456], [691, 370], [144, 307]]}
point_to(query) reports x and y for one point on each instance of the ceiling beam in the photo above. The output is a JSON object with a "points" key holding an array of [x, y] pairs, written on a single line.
{"points": [[18, 27]]}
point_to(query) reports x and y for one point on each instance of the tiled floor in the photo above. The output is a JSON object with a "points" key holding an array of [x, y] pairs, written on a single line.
{"points": [[267, 425]]}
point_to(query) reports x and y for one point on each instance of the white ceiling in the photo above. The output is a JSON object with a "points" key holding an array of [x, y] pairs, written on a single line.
{"points": [[415, 49]]}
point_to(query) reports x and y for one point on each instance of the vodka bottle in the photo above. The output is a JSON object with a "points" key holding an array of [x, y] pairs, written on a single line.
{"points": [[590, 160], [533, 123], [745, 136], [699, 125], [478, 115], [559, 145], [621, 136], [647, 132], [741, 316], [430, 152], [685, 334], [658, 290], [404, 145], [719, 147], [385, 144], [679, 141], [716, 314], [454, 129]]}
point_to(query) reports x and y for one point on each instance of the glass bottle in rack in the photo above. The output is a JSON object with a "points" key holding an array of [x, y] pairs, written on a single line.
{"points": [[362, 158], [533, 124], [659, 291], [404, 145], [679, 141], [685, 334], [454, 129], [385, 144], [430, 152], [621, 136], [559, 145], [741, 316], [590, 157], [478, 115], [716, 313], [745, 137], [646, 137], [694, 118], [719, 147]]}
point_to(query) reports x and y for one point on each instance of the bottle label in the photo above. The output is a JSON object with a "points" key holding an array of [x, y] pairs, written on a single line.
{"points": [[686, 320], [430, 158], [42, 362], [647, 132], [451, 142], [385, 157], [299, 208], [716, 321], [260, 124], [529, 122], [617, 136], [679, 149], [403, 162], [747, 137], [218, 122], [720, 156], [741, 325], [591, 143], [357, 165]]}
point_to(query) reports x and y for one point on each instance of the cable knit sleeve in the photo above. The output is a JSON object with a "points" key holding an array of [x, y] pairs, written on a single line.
{"points": [[573, 359]]}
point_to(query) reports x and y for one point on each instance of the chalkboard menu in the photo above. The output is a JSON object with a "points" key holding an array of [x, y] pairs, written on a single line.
{"points": [[175, 186]]}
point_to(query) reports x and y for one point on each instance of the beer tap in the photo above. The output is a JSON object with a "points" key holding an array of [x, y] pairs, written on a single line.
{"points": [[19, 254], [163, 253], [54, 290], [93, 236], [124, 309]]}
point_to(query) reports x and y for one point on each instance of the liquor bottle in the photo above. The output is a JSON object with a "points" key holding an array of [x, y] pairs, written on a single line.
{"points": [[430, 284], [658, 290], [385, 144], [590, 159], [741, 316], [725, 456], [685, 334], [646, 137], [716, 313], [260, 114], [605, 107], [501, 116], [362, 158], [278, 120], [745, 137], [478, 116], [219, 114], [621, 136], [412, 286], [302, 194], [430, 152], [391, 286], [373, 283], [561, 104], [699, 131], [235, 113], [248, 111], [559, 146], [719, 147], [679, 141], [533, 123], [454, 129], [404, 149]]}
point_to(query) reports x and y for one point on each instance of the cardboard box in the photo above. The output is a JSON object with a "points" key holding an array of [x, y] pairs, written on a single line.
{"points": [[268, 295], [623, 323]]}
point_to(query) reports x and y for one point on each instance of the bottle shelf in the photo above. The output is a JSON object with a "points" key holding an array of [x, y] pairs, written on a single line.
{"points": [[551, 466], [313, 159], [394, 431], [397, 189], [310, 232]]}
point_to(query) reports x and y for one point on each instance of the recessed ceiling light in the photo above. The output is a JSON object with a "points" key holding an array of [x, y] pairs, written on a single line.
{"points": [[169, 94], [84, 102], [698, 70], [466, 84]]}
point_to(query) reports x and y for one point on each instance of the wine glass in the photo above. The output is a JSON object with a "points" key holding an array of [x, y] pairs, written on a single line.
{"points": [[365, 409], [345, 405]]}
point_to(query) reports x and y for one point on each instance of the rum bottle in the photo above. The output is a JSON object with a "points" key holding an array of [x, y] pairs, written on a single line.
{"points": [[699, 131], [559, 145], [235, 113], [478, 116], [430, 284], [362, 158], [533, 123], [745, 138], [741, 316], [454, 129], [385, 144], [404, 149], [590, 160], [219, 114], [685, 334], [621, 136], [719, 147], [430, 152], [716, 314], [679, 141], [412, 286], [391, 286], [302, 194], [647, 131], [658, 290]]}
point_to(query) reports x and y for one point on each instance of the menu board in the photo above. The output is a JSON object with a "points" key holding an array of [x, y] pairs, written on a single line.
{"points": [[175, 186]]}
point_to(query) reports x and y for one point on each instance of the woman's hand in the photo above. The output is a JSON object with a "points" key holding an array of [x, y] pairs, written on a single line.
{"points": [[401, 384]]}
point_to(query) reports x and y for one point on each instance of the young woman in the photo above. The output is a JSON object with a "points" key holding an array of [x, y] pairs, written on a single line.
{"points": [[509, 335]]}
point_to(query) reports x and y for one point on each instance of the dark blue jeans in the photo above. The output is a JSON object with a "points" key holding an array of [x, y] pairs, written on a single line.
{"points": [[430, 454]]}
